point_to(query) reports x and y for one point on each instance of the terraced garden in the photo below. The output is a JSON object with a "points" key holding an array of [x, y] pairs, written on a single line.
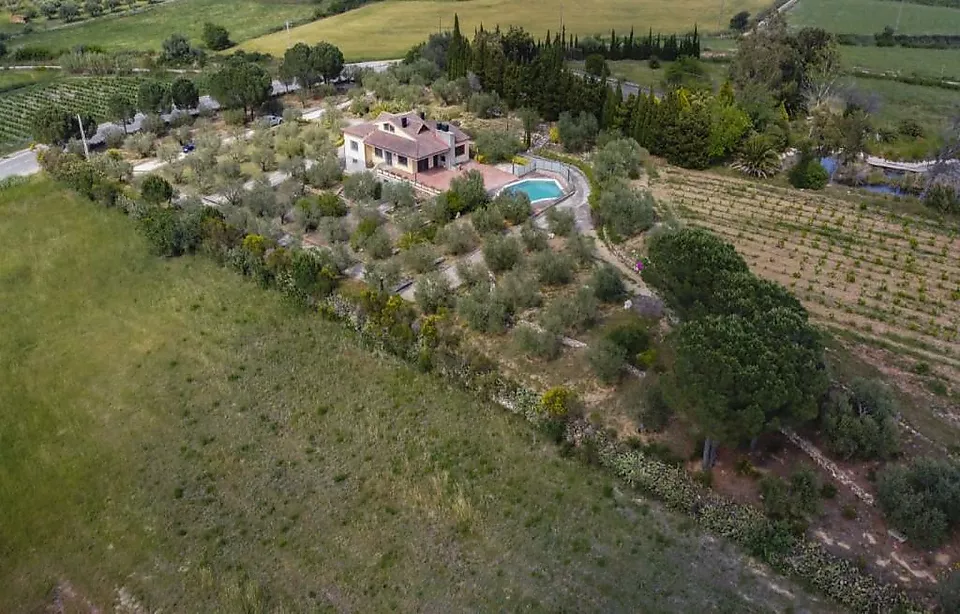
{"points": [[81, 95], [890, 279]]}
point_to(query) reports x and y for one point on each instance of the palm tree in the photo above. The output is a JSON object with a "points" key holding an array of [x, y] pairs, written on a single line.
{"points": [[757, 158]]}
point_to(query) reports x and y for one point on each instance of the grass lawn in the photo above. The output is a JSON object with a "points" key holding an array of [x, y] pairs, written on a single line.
{"points": [[931, 106], [926, 62], [174, 431], [870, 16], [388, 29], [15, 79], [641, 73], [147, 30]]}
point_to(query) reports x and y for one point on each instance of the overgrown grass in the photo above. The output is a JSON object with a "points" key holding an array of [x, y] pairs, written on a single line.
{"points": [[871, 16], [389, 29], [172, 429], [147, 30], [931, 106], [931, 63]]}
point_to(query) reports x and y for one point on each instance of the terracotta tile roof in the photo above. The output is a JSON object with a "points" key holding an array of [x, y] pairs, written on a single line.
{"points": [[423, 131], [425, 144], [360, 130]]}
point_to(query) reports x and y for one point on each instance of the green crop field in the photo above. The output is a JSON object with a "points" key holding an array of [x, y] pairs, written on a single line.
{"points": [[146, 30], [934, 63], [870, 16], [16, 79], [79, 94], [388, 29], [179, 436]]}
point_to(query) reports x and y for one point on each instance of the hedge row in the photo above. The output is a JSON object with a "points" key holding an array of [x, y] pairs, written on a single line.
{"points": [[745, 525]]}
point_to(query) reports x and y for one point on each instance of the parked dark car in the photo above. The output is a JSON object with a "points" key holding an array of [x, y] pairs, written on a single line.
{"points": [[189, 147]]}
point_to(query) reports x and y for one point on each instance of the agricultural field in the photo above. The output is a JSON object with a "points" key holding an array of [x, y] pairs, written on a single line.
{"points": [[147, 30], [388, 29], [871, 16], [931, 63], [82, 95], [932, 107], [16, 79], [890, 280], [187, 441]]}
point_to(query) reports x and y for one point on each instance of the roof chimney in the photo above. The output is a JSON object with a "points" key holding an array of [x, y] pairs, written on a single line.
{"points": [[403, 122], [423, 115]]}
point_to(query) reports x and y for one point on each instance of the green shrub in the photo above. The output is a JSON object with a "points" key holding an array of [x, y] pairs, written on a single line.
{"points": [[537, 343], [420, 258], [625, 211], [562, 221], [156, 190], [861, 421], [329, 204], [501, 253], [473, 273], [433, 292], [577, 133], [514, 205], [808, 173], [334, 230], [655, 414], [399, 194], [534, 239], [519, 290], [458, 238], [619, 159], [362, 187], [378, 244], [467, 193], [630, 335], [553, 269], [488, 219], [484, 311], [943, 198], [828, 490], [607, 359], [921, 499], [581, 248], [577, 313], [607, 284], [497, 146]]}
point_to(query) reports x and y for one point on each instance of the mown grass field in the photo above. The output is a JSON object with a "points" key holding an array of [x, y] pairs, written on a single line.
{"points": [[870, 16], [935, 63], [176, 434], [388, 29], [147, 30]]}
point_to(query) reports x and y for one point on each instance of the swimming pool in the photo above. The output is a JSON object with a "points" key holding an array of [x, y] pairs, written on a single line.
{"points": [[537, 189]]}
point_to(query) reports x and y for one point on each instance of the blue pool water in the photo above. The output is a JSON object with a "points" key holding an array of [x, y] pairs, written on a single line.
{"points": [[537, 189]]}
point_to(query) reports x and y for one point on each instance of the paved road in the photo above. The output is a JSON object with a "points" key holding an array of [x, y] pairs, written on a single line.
{"points": [[22, 163]]}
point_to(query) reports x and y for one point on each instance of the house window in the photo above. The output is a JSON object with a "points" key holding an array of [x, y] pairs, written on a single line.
{"points": [[378, 152], [354, 146], [402, 160], [388, 127], [459, 150]]}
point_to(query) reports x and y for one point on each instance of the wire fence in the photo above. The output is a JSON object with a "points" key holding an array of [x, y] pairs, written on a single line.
{"points": [[534, 164]]}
